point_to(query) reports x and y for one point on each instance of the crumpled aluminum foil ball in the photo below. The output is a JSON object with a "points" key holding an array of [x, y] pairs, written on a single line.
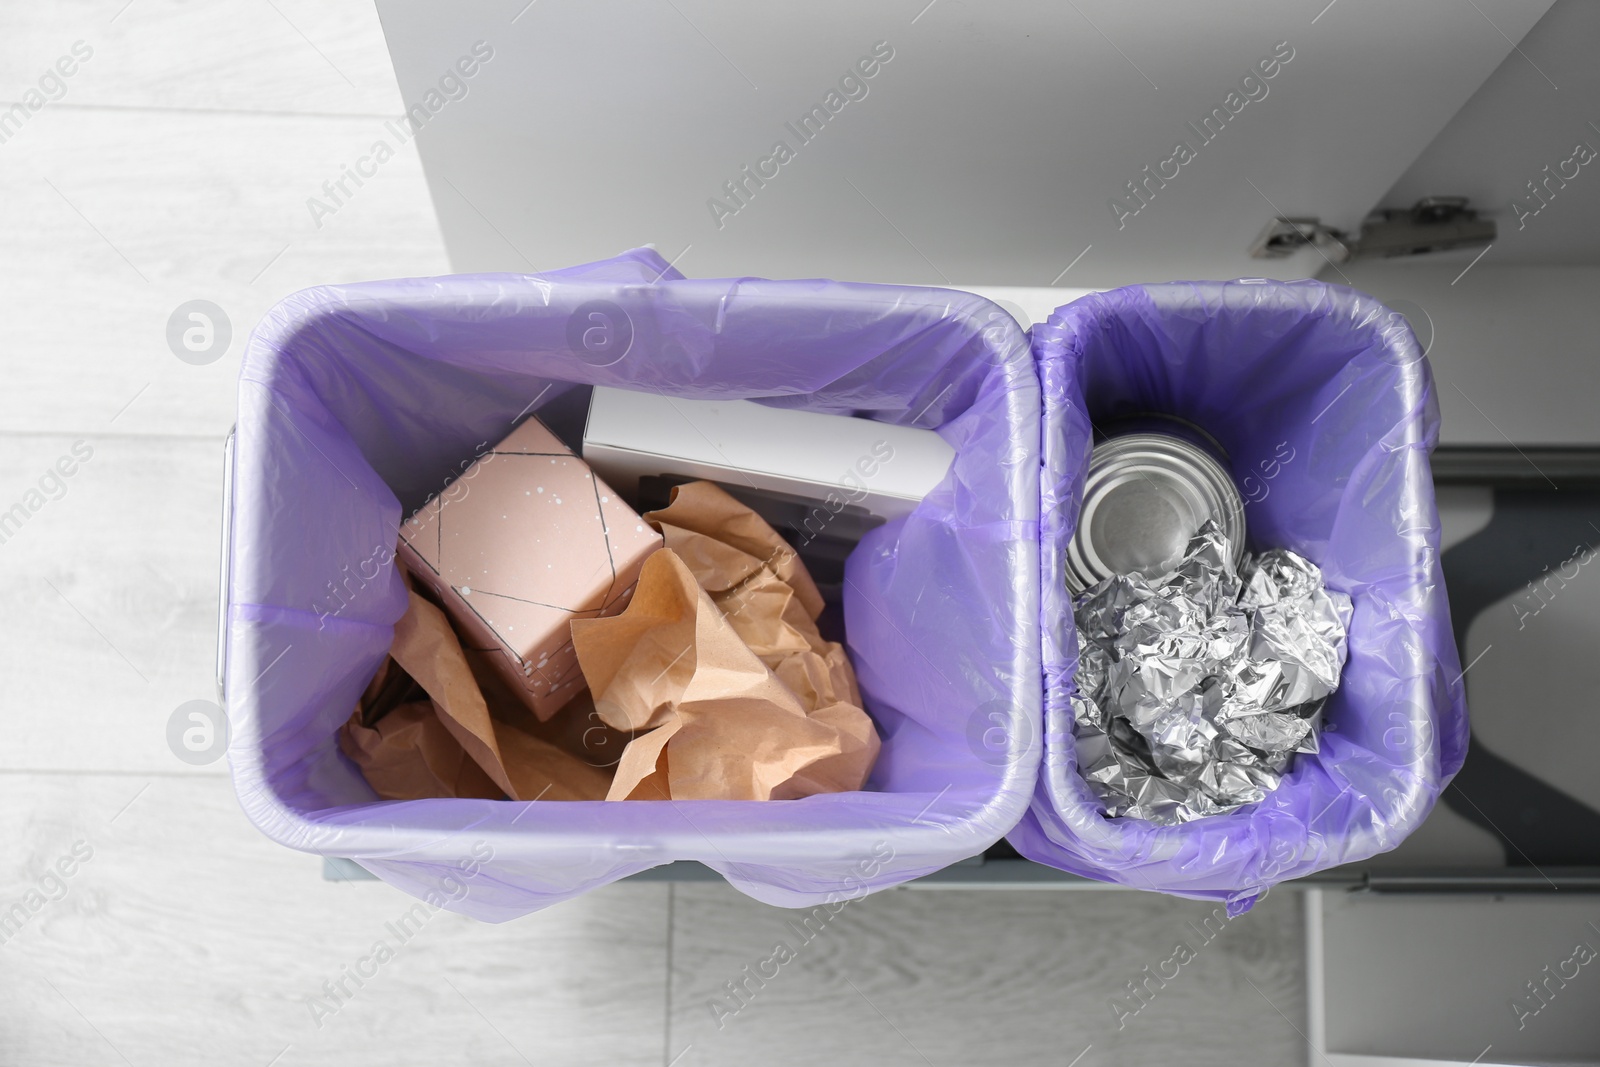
{"points": [[1197, 688]]}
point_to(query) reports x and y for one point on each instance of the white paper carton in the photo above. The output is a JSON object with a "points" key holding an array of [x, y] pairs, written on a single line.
{"points": [[873, 465]]}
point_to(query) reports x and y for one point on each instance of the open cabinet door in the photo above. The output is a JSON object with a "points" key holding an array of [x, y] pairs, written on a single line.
{"points": [[1416, 979], [935, 142]]}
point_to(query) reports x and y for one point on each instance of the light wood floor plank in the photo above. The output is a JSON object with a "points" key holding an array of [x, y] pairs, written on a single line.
{"points": [[110, 592], [188, 938], [115, 219], [288, 55], [915, 977]]}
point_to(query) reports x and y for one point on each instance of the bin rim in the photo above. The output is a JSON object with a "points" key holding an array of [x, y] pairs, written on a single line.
{"points": [[707, 834]]}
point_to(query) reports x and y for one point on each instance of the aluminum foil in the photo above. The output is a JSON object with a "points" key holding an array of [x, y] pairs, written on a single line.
{"points": [[1196, 689]]}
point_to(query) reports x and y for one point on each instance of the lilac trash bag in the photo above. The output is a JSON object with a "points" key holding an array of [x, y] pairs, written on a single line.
{"points": [[1326, 407], [357, 402]]}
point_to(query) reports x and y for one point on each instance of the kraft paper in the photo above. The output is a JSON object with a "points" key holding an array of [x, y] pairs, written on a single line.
{"points": [[448, 744], [718, 670]]}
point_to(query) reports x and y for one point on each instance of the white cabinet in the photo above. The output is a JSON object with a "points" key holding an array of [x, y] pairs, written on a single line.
{"points": [[991, 144]]}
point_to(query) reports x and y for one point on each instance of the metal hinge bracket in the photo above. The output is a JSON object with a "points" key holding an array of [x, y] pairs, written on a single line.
{"points": [[1432, 224]]}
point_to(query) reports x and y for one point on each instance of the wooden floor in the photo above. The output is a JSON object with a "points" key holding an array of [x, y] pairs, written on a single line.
{"points": [[176, 166], [187, 937]]}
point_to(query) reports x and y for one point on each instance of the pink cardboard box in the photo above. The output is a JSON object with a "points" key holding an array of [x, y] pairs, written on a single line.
{"points": [[526, 540]]}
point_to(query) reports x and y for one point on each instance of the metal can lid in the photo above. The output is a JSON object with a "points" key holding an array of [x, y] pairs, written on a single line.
{"points": [[1145, 496]]}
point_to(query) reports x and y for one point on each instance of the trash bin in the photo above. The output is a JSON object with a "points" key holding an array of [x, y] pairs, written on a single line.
{"points": [[358, 402], [1326, 409]]}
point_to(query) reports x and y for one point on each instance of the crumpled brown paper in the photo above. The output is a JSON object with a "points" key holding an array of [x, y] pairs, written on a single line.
{"points": [[718, 658], [442, 741]]}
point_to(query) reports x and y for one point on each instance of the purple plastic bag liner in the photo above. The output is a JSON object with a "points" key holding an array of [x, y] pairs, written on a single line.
{"points": [[1326, 407], [357, 402]]}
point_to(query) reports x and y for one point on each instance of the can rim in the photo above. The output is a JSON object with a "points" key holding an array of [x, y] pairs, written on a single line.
{"points": [[1211, 492], [1162, 423]]}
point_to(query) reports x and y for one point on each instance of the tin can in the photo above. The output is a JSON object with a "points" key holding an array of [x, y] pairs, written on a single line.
{"points": [[1153, 481]]}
